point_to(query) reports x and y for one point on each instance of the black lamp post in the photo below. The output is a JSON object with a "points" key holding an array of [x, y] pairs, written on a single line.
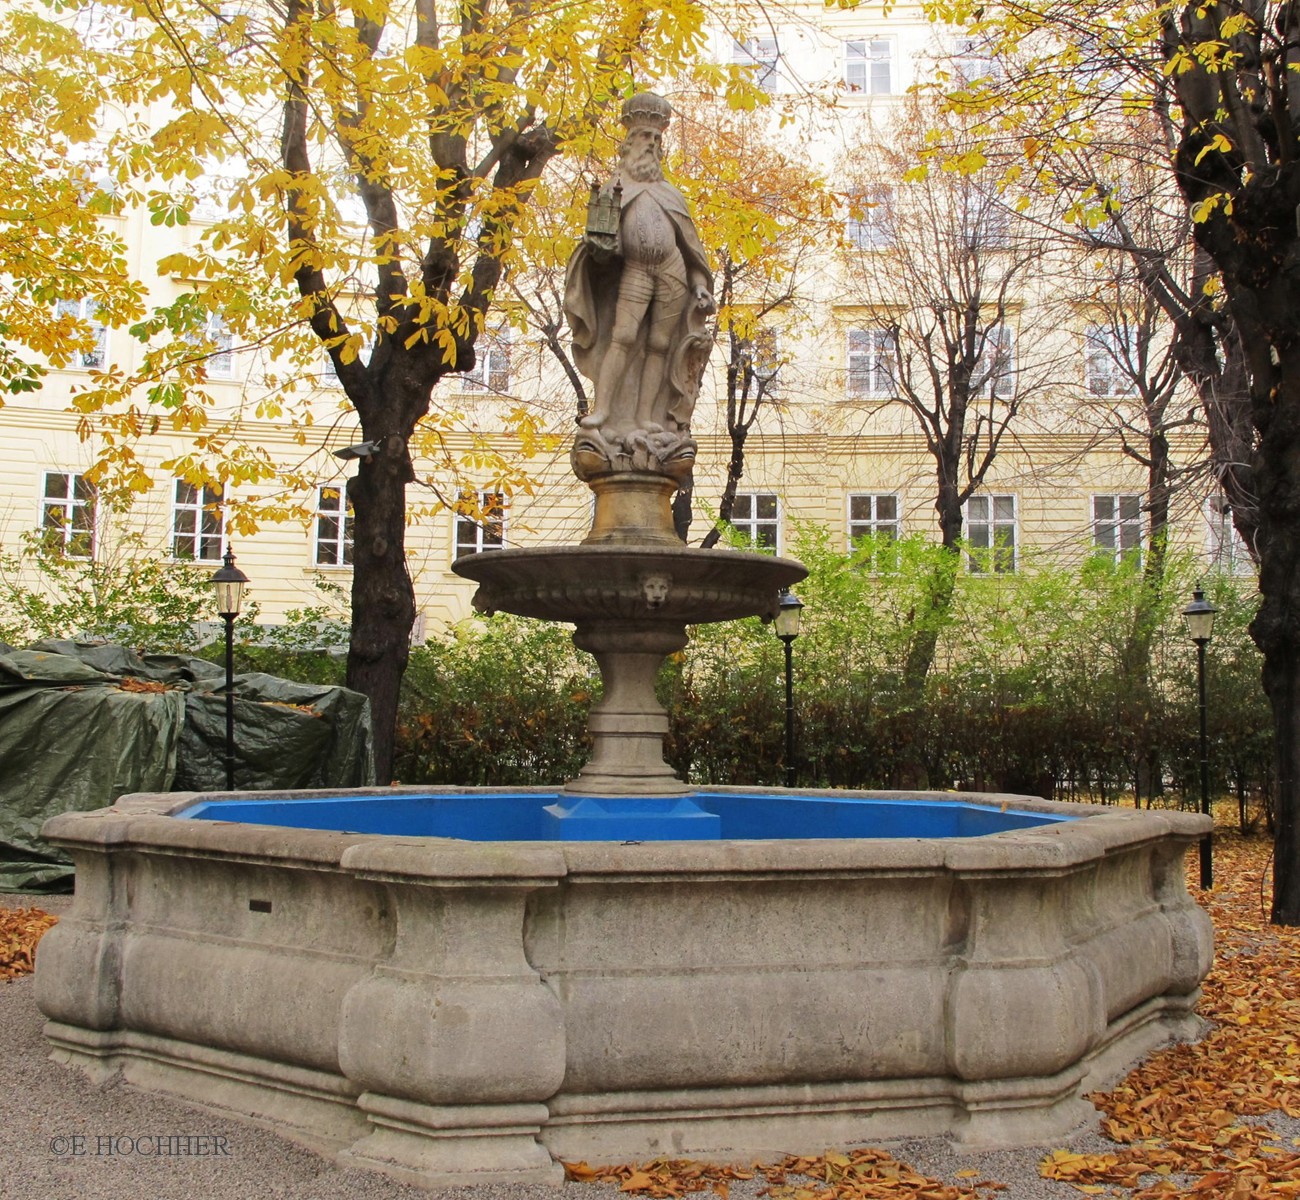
{"points": [[229, 581], [787, 629], [1199, 616]]}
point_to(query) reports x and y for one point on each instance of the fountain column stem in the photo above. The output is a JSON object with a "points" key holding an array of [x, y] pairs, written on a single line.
{"points": [[628, 724]]}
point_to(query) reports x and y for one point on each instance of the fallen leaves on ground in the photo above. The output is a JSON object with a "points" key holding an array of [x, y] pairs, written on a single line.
{"points": [[855, 1175], [864, 1175], [20, 930], [1187, 1119], [661, 1177]]}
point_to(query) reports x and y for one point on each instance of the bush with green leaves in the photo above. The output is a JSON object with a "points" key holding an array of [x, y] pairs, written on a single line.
{"points": [[126, 594], [308, 646], [498, 701]]}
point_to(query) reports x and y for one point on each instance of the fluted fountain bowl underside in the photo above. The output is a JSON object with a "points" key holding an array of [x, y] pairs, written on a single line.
{"points": [[683, 584]]}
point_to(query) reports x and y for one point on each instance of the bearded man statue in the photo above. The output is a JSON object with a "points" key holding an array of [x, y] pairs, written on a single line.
{"points": [[639, 306]]}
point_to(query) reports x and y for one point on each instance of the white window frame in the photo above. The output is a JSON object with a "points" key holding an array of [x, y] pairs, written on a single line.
{"points": [[491, 371], [221, 361], [877, 514], [874, 229], [996, 379], [69, 516], [973, 60], [86, 310], [214, 188], [214, 344], [1224, 546], [764, 55], [753, 524], [1107, 351], [1117, 524], [473, 536], [987, 512], [986, 221], [332, 542], [869, 66], [871, 356], [762, 354], [329, 376], [201, 507]]}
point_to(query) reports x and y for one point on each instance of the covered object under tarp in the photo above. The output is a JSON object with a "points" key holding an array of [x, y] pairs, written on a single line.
{"points": [[81, 725]]}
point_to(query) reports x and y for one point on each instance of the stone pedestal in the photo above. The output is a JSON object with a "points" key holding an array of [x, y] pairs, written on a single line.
{"points": [[633, 509], [628, 724]]}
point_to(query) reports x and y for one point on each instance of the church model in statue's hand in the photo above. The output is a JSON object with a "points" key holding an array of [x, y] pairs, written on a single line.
{"points": [[639, 300]]}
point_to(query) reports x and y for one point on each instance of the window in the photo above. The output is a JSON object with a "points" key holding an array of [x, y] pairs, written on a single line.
{"points": [[869, 66], [225, 22], [1227, 550], [491, 365], [484, 530], [215, 345], [756, 515], [872, 355], [991, 533], [329, 376], [87, 311], [972, 60], [1108, 357], [995, 371], [870, 225], [1117, 525], [874, 516], [215, 187], [760, 363], [985, 220], [761, 54], [198, 523], [68, 515], [221, 359], [333, 527]]}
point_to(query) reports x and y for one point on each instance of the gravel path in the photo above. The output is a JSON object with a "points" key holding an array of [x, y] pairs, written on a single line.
{"points": [[44, 1107]]}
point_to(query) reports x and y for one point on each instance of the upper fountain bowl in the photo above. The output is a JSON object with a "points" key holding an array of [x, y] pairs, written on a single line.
{"points": [[679, 584]]}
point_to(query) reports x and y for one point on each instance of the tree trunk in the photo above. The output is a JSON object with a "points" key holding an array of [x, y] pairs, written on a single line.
{"points": [[1276, 627], [383, 598], [928, 624]]}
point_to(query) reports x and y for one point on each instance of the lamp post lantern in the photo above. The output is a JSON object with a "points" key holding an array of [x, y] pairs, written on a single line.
{"points": [[229, 581], [1199, 616], [787, 629]]}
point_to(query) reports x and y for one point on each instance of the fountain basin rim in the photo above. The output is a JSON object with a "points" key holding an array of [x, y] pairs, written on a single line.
{"points": [[148, 819]]}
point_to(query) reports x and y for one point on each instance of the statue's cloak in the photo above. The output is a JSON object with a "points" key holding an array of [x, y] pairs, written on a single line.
{"points": [[591, 297]]}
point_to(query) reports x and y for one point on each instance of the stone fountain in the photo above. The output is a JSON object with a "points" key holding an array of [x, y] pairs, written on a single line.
{"points": [[466, 985]]}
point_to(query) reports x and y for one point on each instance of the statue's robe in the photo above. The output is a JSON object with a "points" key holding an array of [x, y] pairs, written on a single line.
{"points": [[591, 297]]}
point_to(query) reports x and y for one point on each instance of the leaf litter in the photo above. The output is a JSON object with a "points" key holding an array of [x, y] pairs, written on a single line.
{"points": [[20, 930]]}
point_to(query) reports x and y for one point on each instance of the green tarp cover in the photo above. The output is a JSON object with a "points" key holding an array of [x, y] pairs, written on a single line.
{"points": [[81, 725]]}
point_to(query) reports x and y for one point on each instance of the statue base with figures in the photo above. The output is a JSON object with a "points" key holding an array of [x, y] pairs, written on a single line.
{"points": [[669, 454]]}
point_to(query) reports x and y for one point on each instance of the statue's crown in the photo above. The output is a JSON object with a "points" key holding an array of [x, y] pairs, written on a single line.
{"points": [[645, 108]]}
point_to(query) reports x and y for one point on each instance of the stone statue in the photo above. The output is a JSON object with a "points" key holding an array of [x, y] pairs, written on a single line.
{"points": [[639, 298]]}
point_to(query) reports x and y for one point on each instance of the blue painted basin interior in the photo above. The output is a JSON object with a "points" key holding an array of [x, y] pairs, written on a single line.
{"points": [[553, 816]]}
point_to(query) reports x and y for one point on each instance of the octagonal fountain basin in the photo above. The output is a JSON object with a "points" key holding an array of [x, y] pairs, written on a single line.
{"points": [[450, 1010]]}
